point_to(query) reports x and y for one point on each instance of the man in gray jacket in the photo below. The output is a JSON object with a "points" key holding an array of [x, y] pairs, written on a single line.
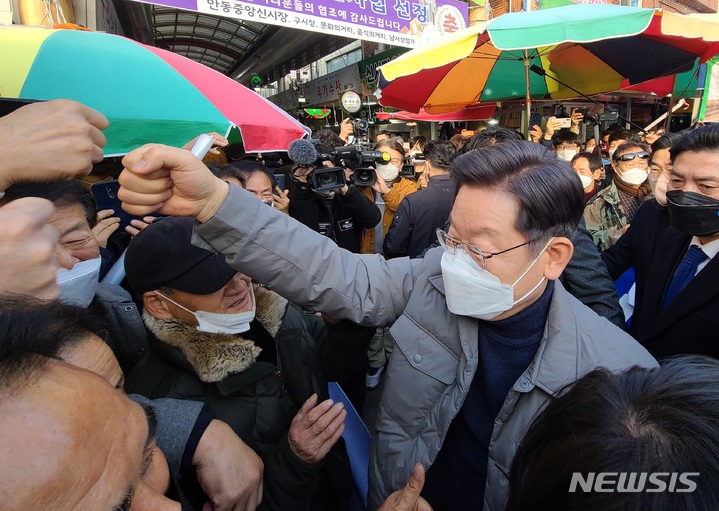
{"points": [[485, 334]]}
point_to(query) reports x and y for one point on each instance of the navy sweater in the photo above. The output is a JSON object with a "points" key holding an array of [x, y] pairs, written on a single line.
{"points": [[506, 348]]}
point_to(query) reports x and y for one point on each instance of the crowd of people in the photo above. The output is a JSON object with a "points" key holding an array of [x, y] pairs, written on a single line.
{"points": [[472, 281]]}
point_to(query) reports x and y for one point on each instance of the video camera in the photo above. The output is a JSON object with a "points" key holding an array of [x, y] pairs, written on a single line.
{"points": [[409, 165], [326, 179], [323, 178], [598, 115], [360, 129]]}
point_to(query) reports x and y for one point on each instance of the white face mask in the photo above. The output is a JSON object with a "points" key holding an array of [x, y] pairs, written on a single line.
{"points": [[387, 171], [611, 152], [586, 181], [566, 154], [215, 323], [633, 177], [78, 285], [474, 292]]}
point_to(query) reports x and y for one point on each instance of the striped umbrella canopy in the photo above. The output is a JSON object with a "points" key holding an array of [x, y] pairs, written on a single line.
{"points": [[476, 113], [148, 94], [589, 48]]}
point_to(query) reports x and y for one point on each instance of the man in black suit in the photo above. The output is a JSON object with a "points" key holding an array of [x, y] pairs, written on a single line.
{"points": [[678, 310]]}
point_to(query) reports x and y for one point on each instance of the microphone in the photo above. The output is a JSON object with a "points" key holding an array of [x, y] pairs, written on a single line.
{"points": [[302, 152]]}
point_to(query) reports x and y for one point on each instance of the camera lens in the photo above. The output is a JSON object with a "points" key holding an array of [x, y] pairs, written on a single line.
{"points": [[326, 178], [364, 178]]}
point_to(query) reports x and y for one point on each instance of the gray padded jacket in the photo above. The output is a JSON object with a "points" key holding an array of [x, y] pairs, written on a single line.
{"points": [[429, 377]]}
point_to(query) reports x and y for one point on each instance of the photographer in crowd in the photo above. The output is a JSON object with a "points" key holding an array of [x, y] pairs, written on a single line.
{"points": [[387, 193], [321, 199]]}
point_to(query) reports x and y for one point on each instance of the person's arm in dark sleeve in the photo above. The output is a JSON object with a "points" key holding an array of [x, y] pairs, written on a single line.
{"points": [[620, 257], [289, 482], [546, 143], [396, 241], [588, 280], [178, 423], [365, 212]]}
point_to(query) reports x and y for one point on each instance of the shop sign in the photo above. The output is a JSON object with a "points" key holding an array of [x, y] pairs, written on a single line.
{"points": [[396, 22]]}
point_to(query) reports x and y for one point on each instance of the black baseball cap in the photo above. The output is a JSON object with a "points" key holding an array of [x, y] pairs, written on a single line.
{"points": [[162, 255]]}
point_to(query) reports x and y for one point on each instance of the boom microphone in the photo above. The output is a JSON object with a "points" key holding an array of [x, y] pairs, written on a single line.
{"points": [[302, 152]]}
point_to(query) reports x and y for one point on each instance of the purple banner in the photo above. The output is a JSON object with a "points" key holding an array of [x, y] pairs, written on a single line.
{"points": [[395, 22]]}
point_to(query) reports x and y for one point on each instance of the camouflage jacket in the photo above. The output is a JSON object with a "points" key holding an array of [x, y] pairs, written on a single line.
{"points": [[605, 217]]}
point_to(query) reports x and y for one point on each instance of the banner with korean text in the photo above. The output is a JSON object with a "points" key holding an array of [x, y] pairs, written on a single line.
{"points": [[396, 22], [330, 87]]}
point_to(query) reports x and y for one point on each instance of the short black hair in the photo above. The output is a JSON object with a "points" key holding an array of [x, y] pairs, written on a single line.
{"points": [[226, 170], [60, 193], [490, 136], [440, 154], [639, 421], [547, 189], [417, 140], [593, 159], [665, 141], [621, 134], [383, 132], [564, 135], [31, 331], [245, 169], [704, 138]]}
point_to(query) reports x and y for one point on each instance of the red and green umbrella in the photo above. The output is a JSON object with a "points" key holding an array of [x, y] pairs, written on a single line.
{"points": [[590, 48], [148, 94]]}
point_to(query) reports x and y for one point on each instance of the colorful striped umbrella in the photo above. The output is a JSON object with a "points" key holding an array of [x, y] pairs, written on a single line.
{"points": [[590, 48], [148, 94], [476, 113]]}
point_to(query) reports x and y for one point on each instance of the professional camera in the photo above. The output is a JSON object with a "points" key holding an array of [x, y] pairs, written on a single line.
{"points": [[310, 154], [360, 129], [323, 178], [409, 165], [363, 176], [354, 156], [359, 126], [326, 179], [598, 115]]}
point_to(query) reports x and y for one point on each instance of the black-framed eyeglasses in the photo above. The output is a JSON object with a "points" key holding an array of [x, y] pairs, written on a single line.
{"points": [[642, 155], [451, 245]]}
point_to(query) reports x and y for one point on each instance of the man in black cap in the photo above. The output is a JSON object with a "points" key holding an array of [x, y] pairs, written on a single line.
{"points": [[244, 351]]}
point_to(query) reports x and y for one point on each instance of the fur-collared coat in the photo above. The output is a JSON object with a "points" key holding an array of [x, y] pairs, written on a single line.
{"points": [[254, 397]]}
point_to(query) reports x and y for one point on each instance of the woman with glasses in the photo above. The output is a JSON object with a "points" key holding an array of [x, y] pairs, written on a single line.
{"points": [[610, 213]]}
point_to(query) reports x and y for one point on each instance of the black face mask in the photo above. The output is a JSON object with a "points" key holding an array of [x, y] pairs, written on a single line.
{"points": [[693, 213]]}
